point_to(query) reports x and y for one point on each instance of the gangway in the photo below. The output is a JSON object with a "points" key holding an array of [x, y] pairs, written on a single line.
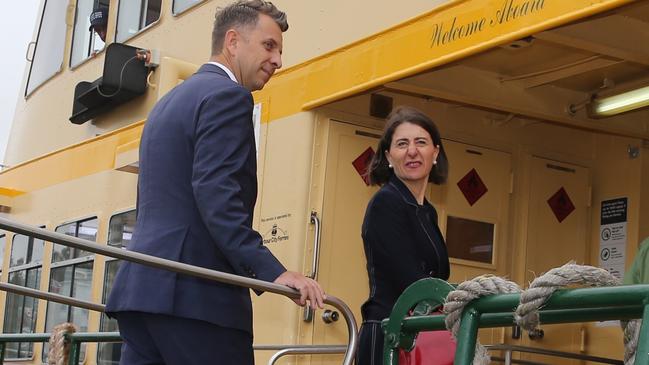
{"points": [[76, 339]]}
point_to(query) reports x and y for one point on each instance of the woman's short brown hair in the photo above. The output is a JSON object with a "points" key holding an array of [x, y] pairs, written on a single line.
{"points": [[379, 171]]}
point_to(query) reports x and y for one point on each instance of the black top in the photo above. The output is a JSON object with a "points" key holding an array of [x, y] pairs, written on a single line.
{"points": [[402, 245]]}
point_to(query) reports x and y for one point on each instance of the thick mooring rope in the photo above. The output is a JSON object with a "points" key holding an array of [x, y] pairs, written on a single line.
{"points": [[466, 292], [59, 348], [532, 299], [542, 288]]}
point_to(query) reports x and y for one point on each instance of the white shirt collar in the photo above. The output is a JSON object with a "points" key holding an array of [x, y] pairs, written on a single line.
{"points": [[227, 70]]}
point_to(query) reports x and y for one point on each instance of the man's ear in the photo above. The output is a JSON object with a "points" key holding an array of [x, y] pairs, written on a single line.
{"points": [[231, 40]]}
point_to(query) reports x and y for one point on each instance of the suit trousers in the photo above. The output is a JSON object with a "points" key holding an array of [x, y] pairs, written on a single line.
{"points": [[370, 344], [158, 339]]}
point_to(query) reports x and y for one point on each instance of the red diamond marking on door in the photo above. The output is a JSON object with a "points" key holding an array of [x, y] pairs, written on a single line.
{"points": [[472, 187], [561, 204], [362, 163]]}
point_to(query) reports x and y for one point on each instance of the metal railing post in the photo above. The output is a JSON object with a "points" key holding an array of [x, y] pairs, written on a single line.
{"points": [[642, 352], [467, 337], [508, 357], [75, 350]]}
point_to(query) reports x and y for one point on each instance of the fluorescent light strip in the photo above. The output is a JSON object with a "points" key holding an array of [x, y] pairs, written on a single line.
{"points": [[621, 103]]}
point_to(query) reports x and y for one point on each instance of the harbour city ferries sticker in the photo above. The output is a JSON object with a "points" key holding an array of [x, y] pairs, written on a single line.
{"points": [[446, 32], [277, 232]]}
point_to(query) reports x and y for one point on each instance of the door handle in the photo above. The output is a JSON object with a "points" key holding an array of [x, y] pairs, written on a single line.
{"points": [[308, 312], [329, 316]]}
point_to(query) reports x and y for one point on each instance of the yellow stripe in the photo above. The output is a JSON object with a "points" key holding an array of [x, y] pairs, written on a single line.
{"points": [[82, 159], [408, 49]]}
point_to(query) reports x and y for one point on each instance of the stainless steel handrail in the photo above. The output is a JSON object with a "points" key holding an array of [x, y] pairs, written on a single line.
{"points": [[316, 245], [58, 298], [534, 350], [307, 350], [182, 268], [308, 312]]}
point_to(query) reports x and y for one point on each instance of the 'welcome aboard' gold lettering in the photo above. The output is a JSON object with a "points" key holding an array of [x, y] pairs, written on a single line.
{"points": [[443, 34]]}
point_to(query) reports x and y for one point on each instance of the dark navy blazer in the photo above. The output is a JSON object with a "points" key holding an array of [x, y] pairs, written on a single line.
{"points": [[402, 244], [196, 193]]}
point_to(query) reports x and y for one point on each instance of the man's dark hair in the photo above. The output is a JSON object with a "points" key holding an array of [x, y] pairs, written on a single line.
{"points": [[379, 171], [243, 13]]}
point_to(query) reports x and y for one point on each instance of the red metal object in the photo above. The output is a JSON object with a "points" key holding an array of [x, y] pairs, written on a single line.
{"points": [[431, 348]]}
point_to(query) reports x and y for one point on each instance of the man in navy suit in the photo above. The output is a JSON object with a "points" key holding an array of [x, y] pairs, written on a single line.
{"points": [[196, 193]]}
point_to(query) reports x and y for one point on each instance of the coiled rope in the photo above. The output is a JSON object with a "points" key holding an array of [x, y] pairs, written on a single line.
{"points": [[541, 289], [467, 291], [60, 348], [532, 299]]}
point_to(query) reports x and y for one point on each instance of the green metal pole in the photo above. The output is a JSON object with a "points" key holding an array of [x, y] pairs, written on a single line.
{"points": [[467, 337], [490, 320], [390, 354], [642, 353], [2, 352], [75, 347]]}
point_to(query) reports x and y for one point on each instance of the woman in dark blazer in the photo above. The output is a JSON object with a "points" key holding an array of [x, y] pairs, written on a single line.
{"points": [[400, 234]]}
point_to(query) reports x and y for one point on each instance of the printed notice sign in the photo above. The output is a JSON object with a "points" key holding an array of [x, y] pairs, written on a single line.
{"points": [[612, 236]]}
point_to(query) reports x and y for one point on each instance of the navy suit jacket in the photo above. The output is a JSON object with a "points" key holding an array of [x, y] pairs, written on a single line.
{"points": [[196, 194]]}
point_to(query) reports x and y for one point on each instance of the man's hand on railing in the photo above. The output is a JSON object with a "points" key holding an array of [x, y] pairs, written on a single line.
{"points": [[309, 289]]}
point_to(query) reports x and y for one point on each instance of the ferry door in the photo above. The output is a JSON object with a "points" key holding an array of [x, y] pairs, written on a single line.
{"points": [[473, 212], [342, 269], [557, 233]]}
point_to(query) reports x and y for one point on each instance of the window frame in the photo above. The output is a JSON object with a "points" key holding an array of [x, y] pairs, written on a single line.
{"points": [[36, 42], [3, 236], [73, 262], [30, 266], [70, 308], [173, 3], [90, 255], [109, 260], [92, 37], [141, 30], [494, 253]]}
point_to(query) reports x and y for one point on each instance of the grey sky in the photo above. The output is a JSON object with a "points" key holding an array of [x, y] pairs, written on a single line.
{"points": [[17, 21]]}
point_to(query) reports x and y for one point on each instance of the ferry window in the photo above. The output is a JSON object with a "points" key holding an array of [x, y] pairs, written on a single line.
{"points": [[121, 228], [71, 275], [134, 15], [108, 353], [119, 235], [86, 229], [3, 242], [21, 312], [25, 250], [85, 41], [75, 281], [50, 44], [181, 5], [469, 239]]}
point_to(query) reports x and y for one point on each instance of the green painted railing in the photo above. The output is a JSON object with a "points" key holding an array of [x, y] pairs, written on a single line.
{"points": [[564, 306], [76, 339]]}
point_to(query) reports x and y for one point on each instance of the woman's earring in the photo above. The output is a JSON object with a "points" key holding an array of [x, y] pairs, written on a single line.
{"points": [[390, 165], [434, 162]]}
